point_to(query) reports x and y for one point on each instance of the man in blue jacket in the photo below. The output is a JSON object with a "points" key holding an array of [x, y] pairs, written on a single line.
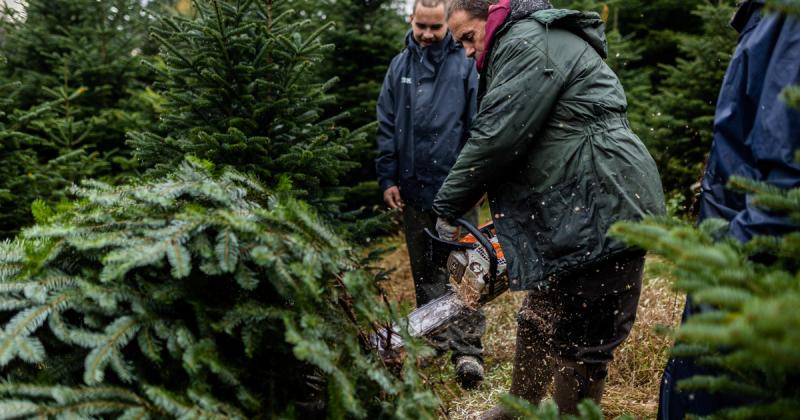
{"points": [[756, 136], [424, 111]]}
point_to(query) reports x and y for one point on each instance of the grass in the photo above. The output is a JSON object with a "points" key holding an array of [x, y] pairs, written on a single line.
{"points": [[634, 376]]}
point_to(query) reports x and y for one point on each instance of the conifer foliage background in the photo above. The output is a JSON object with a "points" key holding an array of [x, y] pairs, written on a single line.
{"points": [[749, 330], [367, 34], [240, 88], [184, 297], [198, 291], [188, 280], [72, 85], [683, 107]]}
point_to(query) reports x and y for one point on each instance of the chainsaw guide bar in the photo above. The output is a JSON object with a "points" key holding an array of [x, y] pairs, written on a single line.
{"points": [[477, 272]]}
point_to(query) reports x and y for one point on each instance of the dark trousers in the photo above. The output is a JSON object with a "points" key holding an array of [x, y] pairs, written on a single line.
{"points": [[570, 330], [464, 336], [585, 315]]}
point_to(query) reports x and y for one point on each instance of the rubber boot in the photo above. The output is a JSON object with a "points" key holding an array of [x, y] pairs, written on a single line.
{"points": [[533, 365], [575, 382]]}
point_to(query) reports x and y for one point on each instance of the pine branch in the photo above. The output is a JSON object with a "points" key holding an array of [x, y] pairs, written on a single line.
{"points": [[118, 334], [784, 6], [15, 341]]}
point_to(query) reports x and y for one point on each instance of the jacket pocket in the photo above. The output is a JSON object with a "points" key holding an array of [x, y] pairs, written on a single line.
{"points": [[564, 219]]}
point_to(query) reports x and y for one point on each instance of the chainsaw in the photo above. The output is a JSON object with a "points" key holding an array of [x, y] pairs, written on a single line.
{"points": [[477, 275]]}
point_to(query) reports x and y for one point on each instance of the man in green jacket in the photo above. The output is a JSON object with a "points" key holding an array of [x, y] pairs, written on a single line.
{"points": [[552, 147]]}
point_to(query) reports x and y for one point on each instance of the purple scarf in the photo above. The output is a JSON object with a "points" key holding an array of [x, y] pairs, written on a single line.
{"points": [[497, 15]]}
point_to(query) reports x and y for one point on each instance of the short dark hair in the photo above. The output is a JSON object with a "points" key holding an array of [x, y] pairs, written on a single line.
{"points": [[474, 8], [429, 3]]}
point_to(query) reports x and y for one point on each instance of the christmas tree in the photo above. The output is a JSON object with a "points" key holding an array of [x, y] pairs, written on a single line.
{"points": [[366, 34], [655, 26], [750, 336], [242, 92], [548, 410], [682, 113], [78, 86], [184, 297]]}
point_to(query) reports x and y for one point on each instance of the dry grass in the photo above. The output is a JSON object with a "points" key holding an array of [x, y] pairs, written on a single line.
{"points": [[400, 286], [634, 375]]}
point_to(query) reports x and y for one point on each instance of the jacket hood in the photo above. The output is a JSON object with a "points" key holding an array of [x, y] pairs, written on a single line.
{"points": [[744, 9], [587, 25], [522, 8]]}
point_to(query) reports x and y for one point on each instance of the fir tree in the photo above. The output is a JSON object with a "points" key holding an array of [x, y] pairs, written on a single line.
{"points": [[751, 333], [790, 7], [367, 34], [184, 297], [10, 156], [681, 119], [623, 51], [34, 166], [78, 88], [656, 26], [240, 91], [748, 330]]}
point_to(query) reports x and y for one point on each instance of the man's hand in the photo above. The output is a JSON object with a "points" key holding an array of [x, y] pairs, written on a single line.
{"points": [[392, 198], [446, 231]]}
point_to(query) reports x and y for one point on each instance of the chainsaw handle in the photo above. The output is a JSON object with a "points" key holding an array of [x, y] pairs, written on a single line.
{"points": [[482, 240], [453, 244], [487, 245]]}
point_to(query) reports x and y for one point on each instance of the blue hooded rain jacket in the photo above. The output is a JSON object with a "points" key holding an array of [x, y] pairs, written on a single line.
{"points": [[756, 136], [424, 111]]}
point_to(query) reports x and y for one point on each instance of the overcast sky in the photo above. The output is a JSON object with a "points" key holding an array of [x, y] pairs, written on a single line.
{"points": [[12, 3], [409, 6]]}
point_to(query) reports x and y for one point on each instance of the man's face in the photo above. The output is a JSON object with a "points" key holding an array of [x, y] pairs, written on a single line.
{"points": [[469, 31], [428, 24]]}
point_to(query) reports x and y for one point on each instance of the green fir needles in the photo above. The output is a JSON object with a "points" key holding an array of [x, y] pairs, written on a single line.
{"points": [[182, 297], [240, 88], [749, 331], [71, 84]]}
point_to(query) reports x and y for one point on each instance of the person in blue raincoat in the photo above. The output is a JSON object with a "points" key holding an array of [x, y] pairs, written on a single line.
{"points": [[756, 136], [424, 112]]}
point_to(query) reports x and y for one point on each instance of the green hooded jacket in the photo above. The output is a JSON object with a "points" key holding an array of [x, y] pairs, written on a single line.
{"points": [[552, 147]]}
